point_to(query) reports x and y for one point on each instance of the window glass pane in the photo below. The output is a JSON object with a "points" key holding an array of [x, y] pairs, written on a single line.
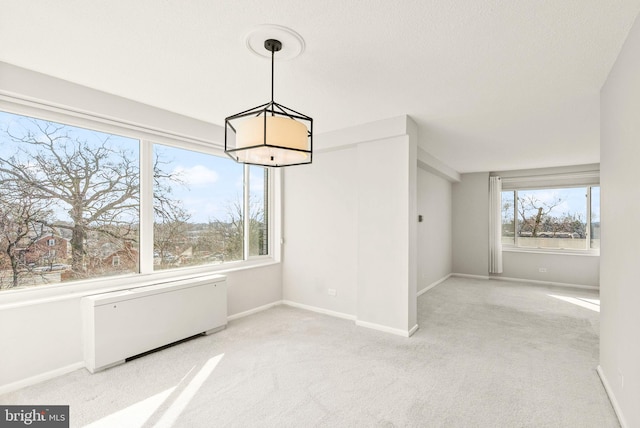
{"points": [[198, 206], [258, 209], [595, 217], [508, 224], [552, 218], [68, 202]]}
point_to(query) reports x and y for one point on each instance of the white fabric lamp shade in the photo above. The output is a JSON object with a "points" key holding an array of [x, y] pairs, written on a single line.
{"points": [[273, 147]]}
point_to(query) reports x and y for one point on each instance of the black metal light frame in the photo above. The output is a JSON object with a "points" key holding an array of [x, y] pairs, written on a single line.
{"points": [[269, 109]]}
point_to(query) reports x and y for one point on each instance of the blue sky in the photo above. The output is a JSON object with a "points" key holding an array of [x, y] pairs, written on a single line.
{"points": [[572, 201], [212, 183]]}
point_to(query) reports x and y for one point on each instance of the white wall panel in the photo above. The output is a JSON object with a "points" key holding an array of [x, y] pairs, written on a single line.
{"points": [[620, 252]]}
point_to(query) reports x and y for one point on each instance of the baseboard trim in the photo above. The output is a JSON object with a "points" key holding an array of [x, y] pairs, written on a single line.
{"points": [[254, 310], [385, 329], [612, 397], [10, 387], [319, 310], [466, 275], [413, 330], [530, 281], [538, 282], [373, 326], [433, 284]]}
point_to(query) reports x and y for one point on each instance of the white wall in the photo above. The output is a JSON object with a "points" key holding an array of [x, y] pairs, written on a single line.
{"points": [[41, 339], [470, 234], [321, 233], [349, 222], [620, 267], [386, 271], [434, 233], [252, 288], [580, 270]]}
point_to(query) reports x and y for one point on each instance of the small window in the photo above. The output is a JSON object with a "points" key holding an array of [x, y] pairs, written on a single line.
{"points": [[51, 242], [115, 261], [555, 218]]}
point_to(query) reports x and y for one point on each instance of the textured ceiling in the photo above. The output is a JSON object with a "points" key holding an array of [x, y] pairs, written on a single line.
{"points": [[492, 84]]}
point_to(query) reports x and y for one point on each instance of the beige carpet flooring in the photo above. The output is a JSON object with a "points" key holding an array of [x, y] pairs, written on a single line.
{"points": [[487, 354]]}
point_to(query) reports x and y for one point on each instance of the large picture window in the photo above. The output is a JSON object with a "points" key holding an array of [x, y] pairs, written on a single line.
{"points": [[70, 205], [554, 218]]}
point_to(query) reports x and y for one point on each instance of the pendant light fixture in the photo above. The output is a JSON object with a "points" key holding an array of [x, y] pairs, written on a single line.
{"points": [[269, 134]]}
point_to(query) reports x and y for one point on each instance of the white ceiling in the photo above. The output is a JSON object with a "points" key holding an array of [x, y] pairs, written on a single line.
{"points": [[492, 84]]}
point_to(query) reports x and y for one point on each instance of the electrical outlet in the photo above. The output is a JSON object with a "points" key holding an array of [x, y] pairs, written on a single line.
{"points": [[543, 270], [331, 292]]}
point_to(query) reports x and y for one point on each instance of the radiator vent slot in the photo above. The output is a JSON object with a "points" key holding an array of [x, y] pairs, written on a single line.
{"points": [[163, 347]]}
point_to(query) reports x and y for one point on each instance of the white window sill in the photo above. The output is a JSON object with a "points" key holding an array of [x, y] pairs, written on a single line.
{"points": [[554, 251], [11, 299]]}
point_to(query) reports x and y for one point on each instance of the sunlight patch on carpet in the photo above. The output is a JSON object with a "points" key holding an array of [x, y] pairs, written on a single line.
{"points": [[180, 403], [591, 304], [135, 415], [138, 414]]}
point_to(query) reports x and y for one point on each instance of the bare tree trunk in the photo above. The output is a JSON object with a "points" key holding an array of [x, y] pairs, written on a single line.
{"points": [[13, 261], [537, 223], [14, 264], [77, 246]]}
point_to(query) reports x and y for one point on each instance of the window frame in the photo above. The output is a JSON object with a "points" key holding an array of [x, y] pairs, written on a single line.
{"points": [[146, 209], [146, 136], [587, 251]]}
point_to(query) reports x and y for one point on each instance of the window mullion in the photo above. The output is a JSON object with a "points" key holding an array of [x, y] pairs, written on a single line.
{"points": [[146, 207], [515, 218], [588, 225], [245, 213]]}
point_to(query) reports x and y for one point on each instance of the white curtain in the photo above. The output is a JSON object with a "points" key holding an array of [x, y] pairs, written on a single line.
{"points": [[495, 225]]}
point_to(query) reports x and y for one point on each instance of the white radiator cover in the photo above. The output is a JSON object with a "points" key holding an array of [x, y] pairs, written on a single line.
{"points": [[121, 324]]}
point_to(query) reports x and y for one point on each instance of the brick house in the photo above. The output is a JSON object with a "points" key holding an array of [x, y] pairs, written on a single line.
{"points": [[125, 259], [48, 249]]}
